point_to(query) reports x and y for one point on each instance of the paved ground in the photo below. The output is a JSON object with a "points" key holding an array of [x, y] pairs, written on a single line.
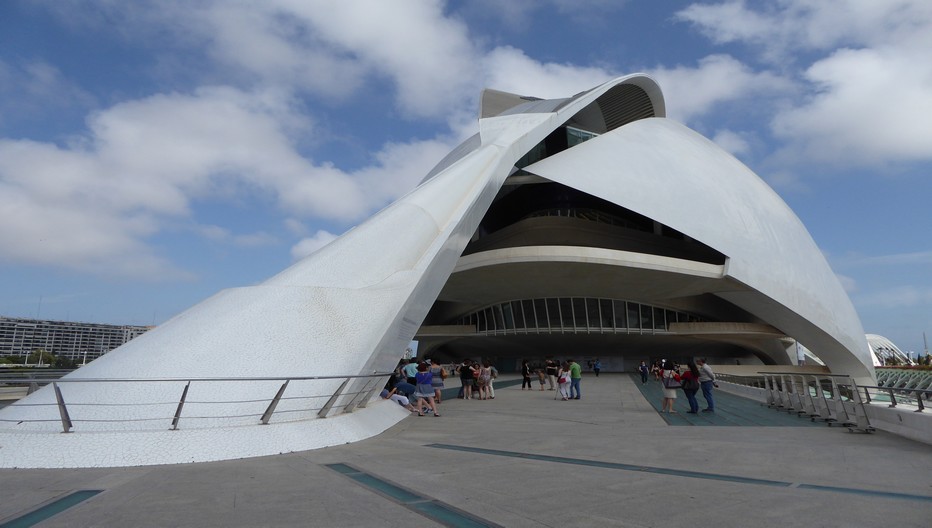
{"points": [[525, 459]]}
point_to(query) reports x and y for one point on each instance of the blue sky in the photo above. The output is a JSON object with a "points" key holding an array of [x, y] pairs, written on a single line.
{"points": [[154, 153]]}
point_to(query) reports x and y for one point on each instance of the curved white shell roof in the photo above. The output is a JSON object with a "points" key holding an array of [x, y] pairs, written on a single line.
{"points": [[669, 173], [353, 307]]}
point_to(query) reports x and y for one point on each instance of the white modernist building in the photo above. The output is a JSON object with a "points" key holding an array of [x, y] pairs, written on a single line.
{"points": [[591, 217]]}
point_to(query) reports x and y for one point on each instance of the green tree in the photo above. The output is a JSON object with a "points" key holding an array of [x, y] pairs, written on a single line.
{"points": [[47, 357]]}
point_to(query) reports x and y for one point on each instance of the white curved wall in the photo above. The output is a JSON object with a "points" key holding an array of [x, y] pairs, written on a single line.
{"points": [[669, 173], [350, 308]]}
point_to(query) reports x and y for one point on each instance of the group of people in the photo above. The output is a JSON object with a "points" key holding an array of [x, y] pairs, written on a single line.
{"points": [[422, 382], [697, 376], [418, 381], [568, 377], [477, 379]]}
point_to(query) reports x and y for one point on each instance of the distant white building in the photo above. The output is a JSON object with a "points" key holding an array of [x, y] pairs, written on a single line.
{"points": [[885, 353], [75, 341]]}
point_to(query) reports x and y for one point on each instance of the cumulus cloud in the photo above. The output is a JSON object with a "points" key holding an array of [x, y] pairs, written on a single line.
{"points": [[693, 91], [311, 244], [511, 70], [781, 28], [90, 205], [864, 55], [852, 117], [732, 142]]}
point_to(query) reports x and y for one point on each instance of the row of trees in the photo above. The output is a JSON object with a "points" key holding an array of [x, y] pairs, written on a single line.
{"points": [[41, 356]]}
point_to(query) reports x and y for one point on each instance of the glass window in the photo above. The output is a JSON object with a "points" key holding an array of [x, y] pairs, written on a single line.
{"points": [[592, 312], [579, 313], [499, 318], [529, 318], [634, 318], [671, 317], [553, 313], [518, 314], [620, 317], [605, 309], [509, 317], [660, 322], [540, 309], [482, 325], [647, 317]]}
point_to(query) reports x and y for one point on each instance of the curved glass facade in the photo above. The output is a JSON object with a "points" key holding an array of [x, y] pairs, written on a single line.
{"points": [[574, 315]]}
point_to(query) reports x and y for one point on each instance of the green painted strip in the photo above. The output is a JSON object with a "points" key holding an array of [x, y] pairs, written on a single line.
{"points": [[438, 511], [53, 508], [730, 410], [870, 493], [614, 465], [682, 473]]}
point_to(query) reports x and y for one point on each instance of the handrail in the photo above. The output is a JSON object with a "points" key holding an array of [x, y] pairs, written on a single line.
{"points": [[352, 399], [4, 379]]}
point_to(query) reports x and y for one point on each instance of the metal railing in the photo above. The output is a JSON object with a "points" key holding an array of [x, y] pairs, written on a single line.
{"points": [[349, 400], [832, 398]]}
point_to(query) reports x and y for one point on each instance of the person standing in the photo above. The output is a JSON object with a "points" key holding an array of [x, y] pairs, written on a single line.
{"points": [[644, 370], [671, 381], [552, 368], [438, 374], [484, 380], [706, 381], [563, 378], [425, 390], [597, 366], [492, 381], [525, 375], [467, 375], [690, 381], [410, 371], [575, 379]]}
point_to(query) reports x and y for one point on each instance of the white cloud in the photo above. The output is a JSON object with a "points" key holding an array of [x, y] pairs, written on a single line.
{"points": [[732, 142], [871, 105], [511, 70], [782, 28], [92, 204], [311, 244], [691, 92], [868, 96]]}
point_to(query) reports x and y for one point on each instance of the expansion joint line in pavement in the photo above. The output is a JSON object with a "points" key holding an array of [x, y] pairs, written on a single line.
{"points": [[683, 473], [429, 507]]}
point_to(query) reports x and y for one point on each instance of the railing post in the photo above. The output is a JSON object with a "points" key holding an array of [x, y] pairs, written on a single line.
{"points": [[184, 394], [62, 410], [368, 397], [892, 396], [278, 396], [326, 408], [360, 398]]}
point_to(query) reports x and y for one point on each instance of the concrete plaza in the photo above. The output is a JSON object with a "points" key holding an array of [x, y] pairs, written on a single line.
{"points": [[526, 459]]}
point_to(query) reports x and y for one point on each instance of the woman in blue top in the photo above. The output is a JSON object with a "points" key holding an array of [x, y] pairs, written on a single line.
{"points": [[425, 390]]}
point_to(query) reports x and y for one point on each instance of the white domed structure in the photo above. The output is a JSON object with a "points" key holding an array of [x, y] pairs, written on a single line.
{"points": [[601, 223]]}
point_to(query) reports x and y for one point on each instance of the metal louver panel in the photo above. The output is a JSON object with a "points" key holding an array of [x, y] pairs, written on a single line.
{"points": [[623, 104]]}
